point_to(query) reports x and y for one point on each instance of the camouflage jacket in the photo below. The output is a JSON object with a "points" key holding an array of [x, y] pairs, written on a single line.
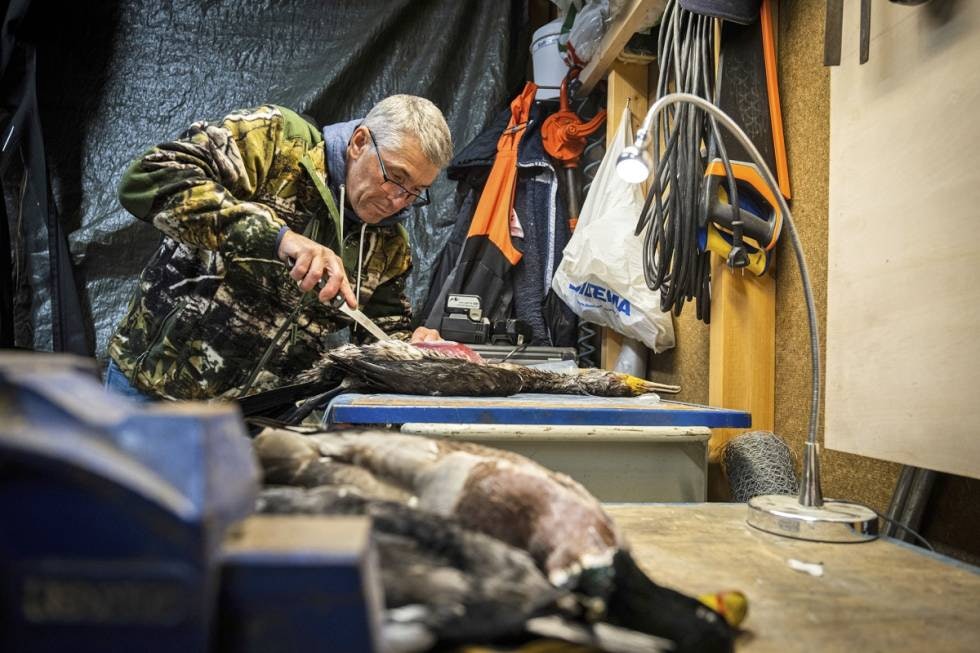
{"points": [[214, 295]]}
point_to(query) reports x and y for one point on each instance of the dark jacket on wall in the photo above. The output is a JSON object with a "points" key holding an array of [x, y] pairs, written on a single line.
{"points": [[544, 231]]}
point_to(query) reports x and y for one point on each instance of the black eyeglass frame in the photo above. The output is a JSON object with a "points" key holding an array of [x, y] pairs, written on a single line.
{"points": [[419, 200]]}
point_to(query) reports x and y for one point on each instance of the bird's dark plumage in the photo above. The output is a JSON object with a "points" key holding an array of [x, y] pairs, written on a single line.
{"points": [[431, 376], [638, 603], [394, 366]]}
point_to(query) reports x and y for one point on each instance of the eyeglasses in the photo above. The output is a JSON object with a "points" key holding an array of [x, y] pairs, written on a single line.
{"points": [[392, 186]]}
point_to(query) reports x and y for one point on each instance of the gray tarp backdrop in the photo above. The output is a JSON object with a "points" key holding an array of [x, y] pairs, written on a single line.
{"points": [[116, 77]]}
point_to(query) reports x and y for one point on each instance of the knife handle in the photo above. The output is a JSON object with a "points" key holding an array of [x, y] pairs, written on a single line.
{"points": [[290, 262]]}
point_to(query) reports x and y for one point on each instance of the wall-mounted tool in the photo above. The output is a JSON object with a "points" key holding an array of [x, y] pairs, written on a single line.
{"points": [[564, 133], [757, 218], [832, 32], [865, 31], [833, 27], [749, 92]]}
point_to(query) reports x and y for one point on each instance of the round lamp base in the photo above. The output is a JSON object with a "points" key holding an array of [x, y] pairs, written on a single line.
{"points": [[834, 521]]}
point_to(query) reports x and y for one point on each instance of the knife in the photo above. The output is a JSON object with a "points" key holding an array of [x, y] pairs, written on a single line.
{"points": [[359, 317], [340, 304]]}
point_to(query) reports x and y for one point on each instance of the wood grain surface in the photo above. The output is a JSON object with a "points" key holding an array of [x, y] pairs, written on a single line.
{"points": [[873, 596]]}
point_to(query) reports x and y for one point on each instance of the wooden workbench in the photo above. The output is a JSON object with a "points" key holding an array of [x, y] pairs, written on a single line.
{"points": [[874, 596]]}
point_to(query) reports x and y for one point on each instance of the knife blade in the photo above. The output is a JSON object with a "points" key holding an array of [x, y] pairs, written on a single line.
{"points": [[359, 317], [338, 303]]}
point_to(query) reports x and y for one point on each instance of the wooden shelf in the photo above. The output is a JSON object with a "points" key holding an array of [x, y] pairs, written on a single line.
{"points": [[618, 33]]}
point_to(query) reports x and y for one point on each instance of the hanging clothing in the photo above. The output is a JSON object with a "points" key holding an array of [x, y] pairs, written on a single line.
{"points": [[506, 243], [33, 231], [489, 253]]}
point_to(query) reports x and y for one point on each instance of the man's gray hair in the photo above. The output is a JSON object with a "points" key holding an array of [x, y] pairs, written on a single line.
{"points": [[398, 116]]}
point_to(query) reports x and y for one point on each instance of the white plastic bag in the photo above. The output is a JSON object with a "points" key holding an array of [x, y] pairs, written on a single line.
{"points": [[601, 272], [588, 29]]}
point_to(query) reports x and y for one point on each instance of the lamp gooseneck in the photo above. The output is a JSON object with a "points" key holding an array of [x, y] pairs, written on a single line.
{"points": [[640, 144]]}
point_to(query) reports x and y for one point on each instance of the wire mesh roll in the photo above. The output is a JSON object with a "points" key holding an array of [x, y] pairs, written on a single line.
{"points": [[758, 463]]}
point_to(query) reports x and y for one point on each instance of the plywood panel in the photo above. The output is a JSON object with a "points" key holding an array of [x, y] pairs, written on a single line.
{"points": [[630, 18], [904, 257], [805, 95], [627, 83], [742, 353], [742, 356]]}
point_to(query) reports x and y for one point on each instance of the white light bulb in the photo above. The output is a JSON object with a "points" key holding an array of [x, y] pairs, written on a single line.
{"points": [[631, 167]]}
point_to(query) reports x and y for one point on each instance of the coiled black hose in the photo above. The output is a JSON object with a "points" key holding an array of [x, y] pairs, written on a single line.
{"points": [[685, 140]]}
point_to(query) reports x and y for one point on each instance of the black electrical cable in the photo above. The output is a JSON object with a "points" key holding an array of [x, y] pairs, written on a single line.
{"points": [[296, 415], [906, 529], [670, 260], [519, 348], [273, 345], [685, 140]]}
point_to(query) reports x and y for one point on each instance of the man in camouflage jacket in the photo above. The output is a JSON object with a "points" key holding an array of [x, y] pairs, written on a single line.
{"points": [[252, 220]]}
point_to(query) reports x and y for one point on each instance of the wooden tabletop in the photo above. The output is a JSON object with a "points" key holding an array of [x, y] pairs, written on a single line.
{"points": [[882, 595]]}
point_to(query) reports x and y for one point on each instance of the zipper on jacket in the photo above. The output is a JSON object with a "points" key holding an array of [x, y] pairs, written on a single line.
{"points": [[360, 259]]}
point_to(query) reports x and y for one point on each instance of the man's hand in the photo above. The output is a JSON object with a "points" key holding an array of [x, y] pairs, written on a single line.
{"points": [[311, 262], [423, 334]]}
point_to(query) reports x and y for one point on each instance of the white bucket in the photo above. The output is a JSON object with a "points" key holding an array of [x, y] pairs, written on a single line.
{"points": [[549, 67]]}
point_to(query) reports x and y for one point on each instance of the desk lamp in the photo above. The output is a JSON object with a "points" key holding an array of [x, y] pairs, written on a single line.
{"points": [[810, 516]]}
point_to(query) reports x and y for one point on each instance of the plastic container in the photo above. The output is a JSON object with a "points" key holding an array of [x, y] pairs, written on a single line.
{"points": [[549, 67], [640, 464]]}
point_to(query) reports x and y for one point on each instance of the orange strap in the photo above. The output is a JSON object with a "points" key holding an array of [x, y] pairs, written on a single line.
{"points": [[492, 215]]}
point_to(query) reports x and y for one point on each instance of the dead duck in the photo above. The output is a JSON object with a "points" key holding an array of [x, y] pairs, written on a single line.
{"points": [[399, 367], [563, 529], [442, 582], [496, 492]]}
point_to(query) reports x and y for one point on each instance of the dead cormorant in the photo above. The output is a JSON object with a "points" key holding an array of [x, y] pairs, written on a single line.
{"points": [[395, 366]]}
